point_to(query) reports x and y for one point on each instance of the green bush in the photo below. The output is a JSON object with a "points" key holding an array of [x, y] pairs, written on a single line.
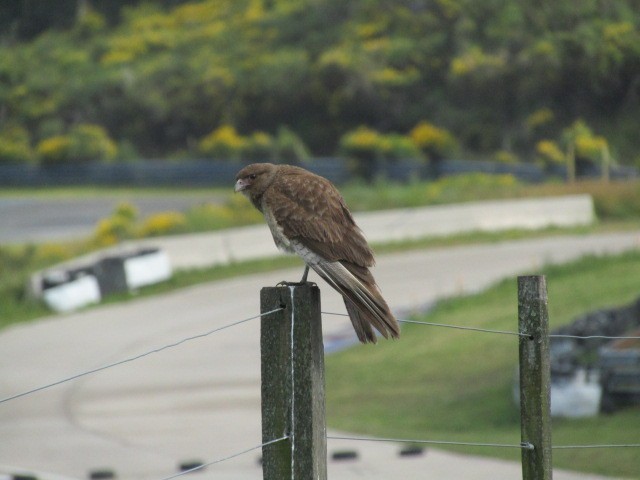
{"points": [[54, 150], [91, 142], [368, 150], [259, 147], [121, 225], [164, 223], [83, 143], [224, 143], [289, 147], [435, 142], [506, 156], [616, 201], [363, 149], [15, 146], [395, 147], [550, 153], [236, 211]]}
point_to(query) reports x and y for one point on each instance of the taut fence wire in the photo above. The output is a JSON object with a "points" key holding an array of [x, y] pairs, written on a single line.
{"points": [[522, 445], [228, 457], [500, 332], [134, 358]]}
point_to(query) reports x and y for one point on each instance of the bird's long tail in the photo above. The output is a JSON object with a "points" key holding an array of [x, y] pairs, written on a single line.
{"points": [[366, 307]]}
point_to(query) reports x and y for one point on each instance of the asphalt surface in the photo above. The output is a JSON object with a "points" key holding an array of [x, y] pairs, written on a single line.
{"points": [[39, 219], [201, 400]]}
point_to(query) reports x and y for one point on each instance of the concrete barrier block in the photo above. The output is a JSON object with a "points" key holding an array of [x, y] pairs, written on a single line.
{"points": [[73, 295]]}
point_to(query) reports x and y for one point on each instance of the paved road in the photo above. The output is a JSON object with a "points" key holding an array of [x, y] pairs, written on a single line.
{"points": [[201, 399], [39, 219]]}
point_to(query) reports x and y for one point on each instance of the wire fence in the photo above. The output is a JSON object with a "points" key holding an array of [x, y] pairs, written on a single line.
{"points": [[501, 332], [224, 459], [522, 445], [133, 358]]}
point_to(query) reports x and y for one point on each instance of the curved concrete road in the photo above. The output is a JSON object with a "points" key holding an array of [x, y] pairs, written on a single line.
{"points": [[202, 399]]}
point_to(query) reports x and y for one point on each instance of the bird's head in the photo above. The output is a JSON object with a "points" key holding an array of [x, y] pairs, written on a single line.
{"points": [[254, 179]]}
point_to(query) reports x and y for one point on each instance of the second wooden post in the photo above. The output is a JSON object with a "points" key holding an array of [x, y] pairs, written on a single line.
{"points": [[535, 377]]}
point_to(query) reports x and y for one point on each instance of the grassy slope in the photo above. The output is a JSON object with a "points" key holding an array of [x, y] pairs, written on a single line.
{"points": [[445, 384]]}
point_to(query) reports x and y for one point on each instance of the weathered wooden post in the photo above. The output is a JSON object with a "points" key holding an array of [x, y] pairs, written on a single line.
{"points": [[535, 378], [293, 392]]}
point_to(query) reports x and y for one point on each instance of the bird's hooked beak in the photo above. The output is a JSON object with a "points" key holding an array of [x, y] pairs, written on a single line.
{"points": [[241, 185]]}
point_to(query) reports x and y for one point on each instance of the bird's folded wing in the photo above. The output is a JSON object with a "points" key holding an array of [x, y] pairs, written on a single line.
{"points": [[311, 211], [363, 300]]}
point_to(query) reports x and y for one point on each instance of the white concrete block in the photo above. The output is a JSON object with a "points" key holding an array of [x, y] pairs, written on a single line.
{"points": [[147, 269], [73, 295]]}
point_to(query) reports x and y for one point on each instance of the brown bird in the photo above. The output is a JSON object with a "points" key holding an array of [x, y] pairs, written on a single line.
{"points": [[307, 216]]}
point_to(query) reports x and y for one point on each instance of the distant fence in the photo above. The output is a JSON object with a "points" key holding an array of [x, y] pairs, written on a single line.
{"points": [[149, 173]]}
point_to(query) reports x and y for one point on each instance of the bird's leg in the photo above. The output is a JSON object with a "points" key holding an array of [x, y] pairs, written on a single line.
{"points": [[302, 282], [305, 274]]}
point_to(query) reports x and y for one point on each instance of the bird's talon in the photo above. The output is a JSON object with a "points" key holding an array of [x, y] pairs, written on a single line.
{"points": [[285, 283]]}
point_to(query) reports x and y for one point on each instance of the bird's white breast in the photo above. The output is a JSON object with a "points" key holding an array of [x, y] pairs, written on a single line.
{"points": [[277, 232], [310, 257]]}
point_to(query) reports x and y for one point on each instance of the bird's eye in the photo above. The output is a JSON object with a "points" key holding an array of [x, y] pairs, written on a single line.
{"points": [[252, 176]]}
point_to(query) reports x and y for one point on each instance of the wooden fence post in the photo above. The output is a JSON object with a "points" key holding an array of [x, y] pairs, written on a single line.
{"points": [[293, 391], [535, 377]]}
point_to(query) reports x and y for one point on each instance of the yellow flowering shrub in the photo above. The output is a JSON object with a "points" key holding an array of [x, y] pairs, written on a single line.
{"points": [[587, 145], [15, 146], [475, 59], [540, 117], [590, 146], [54, 149], [433, 141], [164, 223], [108, 232], [504, 156], [258, 147], [51, 253], [362, 142], [550, 152], [224, 143], [91, 142], [83, 143], [120, 225], [126, 210], [235, 211]]}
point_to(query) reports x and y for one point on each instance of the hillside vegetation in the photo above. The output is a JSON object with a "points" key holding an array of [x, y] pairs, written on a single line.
{"points": [[509, 79]]}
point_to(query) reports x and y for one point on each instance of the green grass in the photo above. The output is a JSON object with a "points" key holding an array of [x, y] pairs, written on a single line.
{"points": [[443, 384], [612, 201]]}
